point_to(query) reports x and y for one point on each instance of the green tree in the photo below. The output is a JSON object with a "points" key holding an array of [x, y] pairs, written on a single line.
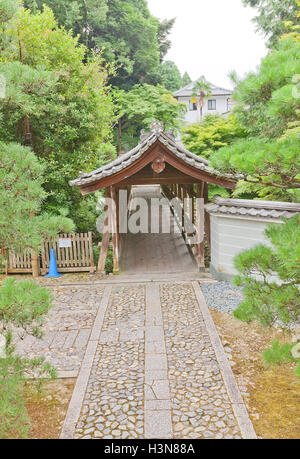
{"points": [[57, 101], [125, 32], [270, 277], [22, 227], [23, 304], [186, 79], [269, 103], [272, 164], [170, 76], [164, 29], [272, 16], [293, 26], [142, 105], [82, 16], [266, 99], [213, 133]]}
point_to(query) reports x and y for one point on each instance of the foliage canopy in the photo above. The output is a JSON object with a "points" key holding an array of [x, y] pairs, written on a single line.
{"points": [[143, 105], [273, 16], [213, 133], [57, 101]]}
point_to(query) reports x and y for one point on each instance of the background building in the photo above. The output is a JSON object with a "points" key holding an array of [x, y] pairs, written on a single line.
{"points": [[219, 102]]}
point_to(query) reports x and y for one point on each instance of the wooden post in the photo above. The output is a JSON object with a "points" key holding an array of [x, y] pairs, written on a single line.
{"points": [[90, 250], [35, 260], [182, 201], [206, 216], [115, 233], [105, 238], [35, 263], [117, 191], [193, 205], [200, 227]]}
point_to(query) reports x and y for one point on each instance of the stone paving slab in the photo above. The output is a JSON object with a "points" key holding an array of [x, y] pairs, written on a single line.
{"points": [[67, 329], [155, 368]]}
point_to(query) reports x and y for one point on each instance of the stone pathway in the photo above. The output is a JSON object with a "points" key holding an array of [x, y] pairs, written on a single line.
{"points": [[67, 329], [154, 367], [200, 403]]}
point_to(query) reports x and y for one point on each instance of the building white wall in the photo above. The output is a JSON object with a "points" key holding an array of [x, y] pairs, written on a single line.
{"points": [[194, 116], [232, 235]]}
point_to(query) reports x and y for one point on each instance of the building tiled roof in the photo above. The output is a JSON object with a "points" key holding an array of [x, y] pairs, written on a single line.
{"points": [[251, 208], [215, 90], [148, 139]]}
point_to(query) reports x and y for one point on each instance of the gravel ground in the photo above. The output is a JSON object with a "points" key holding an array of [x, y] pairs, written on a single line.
{"points": [[222, 296]]}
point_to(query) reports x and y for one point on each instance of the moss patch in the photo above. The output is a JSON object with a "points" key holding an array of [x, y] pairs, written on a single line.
{"points": [[47, 409]]}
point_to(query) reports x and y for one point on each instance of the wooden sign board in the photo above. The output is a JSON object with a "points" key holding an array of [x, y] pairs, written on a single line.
{"points": [[64, 243]]}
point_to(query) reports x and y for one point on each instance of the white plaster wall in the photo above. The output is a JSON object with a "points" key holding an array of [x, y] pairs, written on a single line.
{"points": [[193, 116], [230, 236]]}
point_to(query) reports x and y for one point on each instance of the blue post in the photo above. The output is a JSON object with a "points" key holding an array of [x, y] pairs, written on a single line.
{"points": [[52, 266]]}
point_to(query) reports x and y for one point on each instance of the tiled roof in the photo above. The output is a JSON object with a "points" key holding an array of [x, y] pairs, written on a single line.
{"points": [[148, 139], [215, 90], [250, 208]]}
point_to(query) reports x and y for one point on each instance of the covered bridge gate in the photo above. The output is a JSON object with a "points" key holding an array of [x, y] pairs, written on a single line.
{"points": [[178, 174]]}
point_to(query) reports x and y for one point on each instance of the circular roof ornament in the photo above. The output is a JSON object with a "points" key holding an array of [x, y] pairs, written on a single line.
{"points": [[158, 165]]}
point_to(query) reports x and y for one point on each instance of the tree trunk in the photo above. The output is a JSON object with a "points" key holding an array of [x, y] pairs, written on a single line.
{"points": [[119, 137], [2, 346]]}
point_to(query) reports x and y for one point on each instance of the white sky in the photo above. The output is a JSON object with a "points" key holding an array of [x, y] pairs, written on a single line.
{"points": [[212, 37]]}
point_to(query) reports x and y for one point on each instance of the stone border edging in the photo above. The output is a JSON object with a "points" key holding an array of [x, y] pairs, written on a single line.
{"points": [[137, 281], [75, 405], [236, 399], [157, 403]]}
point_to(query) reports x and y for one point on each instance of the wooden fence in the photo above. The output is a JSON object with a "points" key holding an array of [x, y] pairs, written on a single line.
{"points": [[19, 263], [73, 253]]}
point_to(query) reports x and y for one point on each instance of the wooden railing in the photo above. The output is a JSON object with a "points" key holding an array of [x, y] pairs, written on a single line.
{"points": [[190, 218]]}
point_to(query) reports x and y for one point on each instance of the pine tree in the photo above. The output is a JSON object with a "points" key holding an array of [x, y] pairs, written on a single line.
{"points": [[22, 227], [270, 277], [23, 304]]}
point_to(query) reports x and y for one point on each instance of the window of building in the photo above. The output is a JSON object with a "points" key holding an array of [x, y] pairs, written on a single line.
{"points": [[212, 104], [192, 106]]}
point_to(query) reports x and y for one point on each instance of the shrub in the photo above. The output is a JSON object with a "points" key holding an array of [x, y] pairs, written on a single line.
{"points": [[278, 354], [23, 306]]}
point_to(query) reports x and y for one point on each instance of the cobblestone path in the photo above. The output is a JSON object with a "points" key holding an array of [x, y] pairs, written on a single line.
{"points": [[200, 403], [154, 367], [113, 403]]}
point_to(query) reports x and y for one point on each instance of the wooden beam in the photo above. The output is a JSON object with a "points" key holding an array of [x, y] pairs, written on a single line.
{"points": [[171, 180]]}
